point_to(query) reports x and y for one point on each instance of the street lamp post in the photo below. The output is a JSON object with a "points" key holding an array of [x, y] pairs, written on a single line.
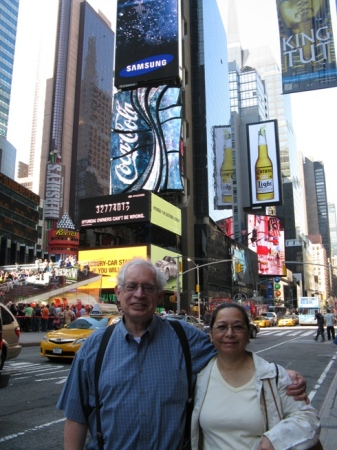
{"points": [[197, 288]]}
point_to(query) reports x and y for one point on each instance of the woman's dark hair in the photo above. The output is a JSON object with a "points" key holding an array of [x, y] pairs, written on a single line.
{"points": [[230, 305]]}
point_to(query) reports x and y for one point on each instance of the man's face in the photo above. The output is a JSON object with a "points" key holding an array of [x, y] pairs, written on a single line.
{"points": [[139, 305]]}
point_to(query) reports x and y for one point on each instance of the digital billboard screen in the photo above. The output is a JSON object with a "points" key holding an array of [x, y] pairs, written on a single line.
{"points": [[146, 140], [147, 43], [266, 238], [108, 261], [264, 163], [115, 209]]}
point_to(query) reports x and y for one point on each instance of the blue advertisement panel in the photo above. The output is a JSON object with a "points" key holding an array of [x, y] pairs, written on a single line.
{"points": [[307, 45], [145, 140], [147, 36]]}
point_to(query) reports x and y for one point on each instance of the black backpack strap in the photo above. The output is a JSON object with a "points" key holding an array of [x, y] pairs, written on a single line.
{"points": [[276, 367], [178, 328], [98, 364]]}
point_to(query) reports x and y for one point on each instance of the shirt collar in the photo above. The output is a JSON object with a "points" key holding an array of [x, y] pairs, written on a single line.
{"points": [[151, 329]]}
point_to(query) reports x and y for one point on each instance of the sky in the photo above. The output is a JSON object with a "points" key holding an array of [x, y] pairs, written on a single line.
{"points": [[313, 112]]}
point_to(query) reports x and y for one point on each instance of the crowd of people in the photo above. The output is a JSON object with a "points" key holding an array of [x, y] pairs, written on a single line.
{"points": [[42, 317]]}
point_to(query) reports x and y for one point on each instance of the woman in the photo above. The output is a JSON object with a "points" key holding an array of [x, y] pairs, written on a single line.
{"points": [[234, 404]]}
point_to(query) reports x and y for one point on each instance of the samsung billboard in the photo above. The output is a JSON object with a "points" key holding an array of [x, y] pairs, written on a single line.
{"points": [[147, 43]]}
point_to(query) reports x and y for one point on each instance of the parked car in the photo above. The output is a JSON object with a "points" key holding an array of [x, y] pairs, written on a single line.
{"points": [[4, 378], [254, 328], [168, 265], [188, 319], [272, 317], [262, 321], [289, 320], [65, 342], [10, 336]]}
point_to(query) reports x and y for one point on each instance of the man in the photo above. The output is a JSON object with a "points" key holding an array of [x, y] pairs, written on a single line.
{"points": [[320, 326], [69, 315], [329, 321], [143, 383]]}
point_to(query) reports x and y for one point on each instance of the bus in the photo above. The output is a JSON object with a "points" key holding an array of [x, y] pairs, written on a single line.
{"points": [[306, 310]]}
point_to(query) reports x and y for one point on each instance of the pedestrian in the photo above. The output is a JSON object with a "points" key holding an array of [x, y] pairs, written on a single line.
{"points": [[37, 318], [44, 318], [29, 316], [262, 416], [52, 317], [69, 315], [330, 325], [320, 326], [144, 363]]}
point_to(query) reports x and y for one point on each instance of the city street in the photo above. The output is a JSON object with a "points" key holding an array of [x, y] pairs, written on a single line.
{"points": [[29, 419]]}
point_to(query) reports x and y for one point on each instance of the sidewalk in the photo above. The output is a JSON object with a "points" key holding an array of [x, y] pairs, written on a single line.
{"points": [[31, 339], [328, 412], [328, 415]]}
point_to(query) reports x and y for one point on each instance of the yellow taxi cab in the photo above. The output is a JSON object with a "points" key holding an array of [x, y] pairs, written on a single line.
{"points": [[262, 321], [65, 342], [287, 321]]}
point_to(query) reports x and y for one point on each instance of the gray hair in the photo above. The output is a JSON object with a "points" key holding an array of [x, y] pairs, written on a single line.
{"points": [[159, 276]]}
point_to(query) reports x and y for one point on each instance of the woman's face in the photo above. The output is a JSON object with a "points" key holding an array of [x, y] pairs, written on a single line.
{"points": [[229, 334], [294, 12]]}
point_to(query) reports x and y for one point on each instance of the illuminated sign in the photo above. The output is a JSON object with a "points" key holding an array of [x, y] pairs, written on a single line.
{"points": [[147, 42], [63, 232], [165, 215], [146, 140], [264, 163], [266, 238], [107, 262], [54, 191], [115, 209]]}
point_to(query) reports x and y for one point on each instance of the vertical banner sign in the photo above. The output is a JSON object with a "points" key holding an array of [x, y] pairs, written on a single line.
{"points": [[222, 137], [147, 37], [264, 163], [307, 45], [54, 191], [145, 140]]}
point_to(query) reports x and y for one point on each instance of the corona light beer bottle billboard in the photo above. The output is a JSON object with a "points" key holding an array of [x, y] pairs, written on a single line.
{"points": [[264, 163]]}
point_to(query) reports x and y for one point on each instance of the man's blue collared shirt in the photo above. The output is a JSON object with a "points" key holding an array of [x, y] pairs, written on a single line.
{"points": [[142, 387]]}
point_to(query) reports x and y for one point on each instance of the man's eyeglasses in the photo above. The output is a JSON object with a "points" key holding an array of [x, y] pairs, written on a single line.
{"points": [[146, 288]]}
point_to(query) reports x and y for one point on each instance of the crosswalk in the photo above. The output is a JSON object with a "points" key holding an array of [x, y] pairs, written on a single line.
{"points": [[37, 372], [293, 331]]}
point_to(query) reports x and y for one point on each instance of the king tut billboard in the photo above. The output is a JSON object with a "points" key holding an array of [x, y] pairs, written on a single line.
{"points": [[146, 140], [307, 45], [147, 43]]}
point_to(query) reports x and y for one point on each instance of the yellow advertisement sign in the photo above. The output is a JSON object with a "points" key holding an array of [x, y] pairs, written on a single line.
{"points": [[165, 215], [108, 261]]}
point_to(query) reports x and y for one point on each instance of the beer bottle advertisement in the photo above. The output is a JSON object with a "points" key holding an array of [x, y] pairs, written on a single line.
{"points": [[224, 166], [264, 163], [226, 171], [264, 169]]}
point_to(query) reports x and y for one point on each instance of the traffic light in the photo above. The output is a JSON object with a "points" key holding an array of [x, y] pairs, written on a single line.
{"points": [[277, 288], [238, 267]]}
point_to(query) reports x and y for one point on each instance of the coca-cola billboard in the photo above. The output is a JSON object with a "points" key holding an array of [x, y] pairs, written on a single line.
{"points": [[146, 140], [147, 37]]}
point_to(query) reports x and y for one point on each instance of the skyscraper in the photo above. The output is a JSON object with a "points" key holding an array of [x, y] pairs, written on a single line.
{"points": [[9, 11]]}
